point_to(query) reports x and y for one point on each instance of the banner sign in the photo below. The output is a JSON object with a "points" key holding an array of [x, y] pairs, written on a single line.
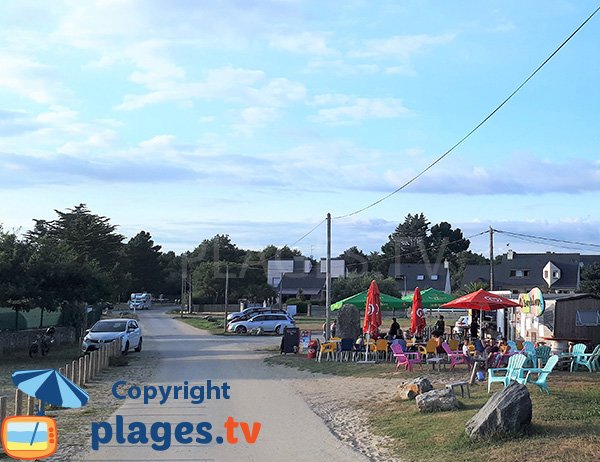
{"points": [[532, 302]]}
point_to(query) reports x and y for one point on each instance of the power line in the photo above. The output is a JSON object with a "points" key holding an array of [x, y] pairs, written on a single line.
{"points": [[306, 234], [432, 248], [549, 239], [464, 138]]}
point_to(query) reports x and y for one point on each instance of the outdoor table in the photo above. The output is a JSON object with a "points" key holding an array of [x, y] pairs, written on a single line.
{"points": [[435, 360]]}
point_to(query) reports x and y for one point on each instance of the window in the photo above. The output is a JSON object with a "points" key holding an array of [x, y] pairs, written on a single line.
{"points": [[434, 277], [587, 318], [420, 277], [259, 318], [556, 274], [519, 273], [546, 274]]}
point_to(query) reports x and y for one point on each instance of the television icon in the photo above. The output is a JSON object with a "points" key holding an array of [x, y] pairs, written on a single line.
{"points": [[29, 437]]}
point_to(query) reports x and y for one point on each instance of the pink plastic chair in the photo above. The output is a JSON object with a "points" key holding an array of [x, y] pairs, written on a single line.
{"points": [[406, 359], [454, 357]]}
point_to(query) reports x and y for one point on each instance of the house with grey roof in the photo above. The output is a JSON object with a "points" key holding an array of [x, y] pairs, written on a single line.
{"points": [[421, 275], [520, 272]]}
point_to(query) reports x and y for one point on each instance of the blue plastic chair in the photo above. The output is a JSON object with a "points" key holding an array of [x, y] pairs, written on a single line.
{"points": [[589, 360], [529, 348], [543, 354], [511, 372], [577, 353], [543, 373]]}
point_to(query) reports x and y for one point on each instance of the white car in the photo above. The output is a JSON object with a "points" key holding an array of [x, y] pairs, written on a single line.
{"points": [[461, 325], [108, 330], [268, 322], [251, 312]]}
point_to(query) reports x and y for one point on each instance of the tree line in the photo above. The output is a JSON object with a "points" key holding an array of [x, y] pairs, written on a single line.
{"points": [[79, 257]]}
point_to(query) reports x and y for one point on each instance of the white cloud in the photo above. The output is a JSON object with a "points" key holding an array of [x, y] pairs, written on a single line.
{"points": [[360, 109], [99, 140], [399, 46], [253, 118], [28, 78], [312, 43]]}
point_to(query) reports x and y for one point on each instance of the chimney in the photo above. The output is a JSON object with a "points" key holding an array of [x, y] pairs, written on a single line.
{"points": [[510, 254]]}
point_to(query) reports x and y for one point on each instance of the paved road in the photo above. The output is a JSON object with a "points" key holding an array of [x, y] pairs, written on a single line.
{"points": [[290, 430]]}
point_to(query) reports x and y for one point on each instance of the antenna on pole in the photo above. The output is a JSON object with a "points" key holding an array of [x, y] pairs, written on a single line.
{"points": [[328, 281]]}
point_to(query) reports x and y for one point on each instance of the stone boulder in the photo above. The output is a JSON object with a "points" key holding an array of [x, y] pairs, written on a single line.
{"points": [[437, 401], [348, 322], [410, 390], [507, 411]]}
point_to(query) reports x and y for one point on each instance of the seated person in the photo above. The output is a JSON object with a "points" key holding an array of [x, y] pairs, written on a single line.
{"points": [[359, 345], [491, 352], [466, 351], [439, 340]]}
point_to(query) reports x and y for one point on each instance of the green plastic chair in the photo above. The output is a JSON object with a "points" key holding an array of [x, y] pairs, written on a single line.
{"points": [[577, 353], [541, 381], [511, 372], [543, 353], [589, 360]]}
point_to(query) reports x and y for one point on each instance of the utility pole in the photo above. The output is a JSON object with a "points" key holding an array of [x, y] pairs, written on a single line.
{"points": [[328, 281], [226, 295], [491, 276], [190, 306], [183, 284]]}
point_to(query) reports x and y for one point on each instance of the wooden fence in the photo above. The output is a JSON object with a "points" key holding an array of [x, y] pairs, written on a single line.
{"points": [[80, 372]]}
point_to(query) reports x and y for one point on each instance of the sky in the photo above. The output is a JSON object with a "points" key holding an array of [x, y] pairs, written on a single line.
{"points": [[257, 118]]}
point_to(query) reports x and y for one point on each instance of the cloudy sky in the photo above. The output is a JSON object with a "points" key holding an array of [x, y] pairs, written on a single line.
{"points": [[256, 118]]}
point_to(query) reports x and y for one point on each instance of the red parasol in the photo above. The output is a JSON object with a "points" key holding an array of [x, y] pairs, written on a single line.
{"points": [[481, 300], [372, 310], [417, 317]]}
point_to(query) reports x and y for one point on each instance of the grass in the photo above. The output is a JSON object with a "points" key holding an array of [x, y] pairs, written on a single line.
{"points": [[213, 325], [565, 425]]}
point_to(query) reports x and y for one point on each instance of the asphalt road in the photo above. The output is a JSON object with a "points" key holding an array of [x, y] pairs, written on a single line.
{"points": [[289, 429]]}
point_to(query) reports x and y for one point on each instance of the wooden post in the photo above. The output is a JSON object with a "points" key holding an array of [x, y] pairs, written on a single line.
{"points": [[61, 370], [30, 405], [81, 371], [74, 370], [86, 369], [3, 410], [68, 371], [19, 395]]}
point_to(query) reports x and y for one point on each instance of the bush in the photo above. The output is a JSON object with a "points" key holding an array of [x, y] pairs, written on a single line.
{"points": [[301, 305]]}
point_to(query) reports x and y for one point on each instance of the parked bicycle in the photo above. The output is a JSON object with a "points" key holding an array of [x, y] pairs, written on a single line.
{"points": [[41, 343]]}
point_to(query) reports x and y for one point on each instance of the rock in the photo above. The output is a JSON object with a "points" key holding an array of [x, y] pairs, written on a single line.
{"points": [[437, 400], [508, 411], [410, 390], [348, 322]]}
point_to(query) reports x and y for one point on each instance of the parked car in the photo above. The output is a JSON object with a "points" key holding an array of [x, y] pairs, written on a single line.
{"points": [[109, 330], [461, 325], [251, 312], [268, 322]]}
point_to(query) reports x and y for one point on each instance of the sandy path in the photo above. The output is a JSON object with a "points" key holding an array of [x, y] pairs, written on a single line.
{"points": [[259, 393]]}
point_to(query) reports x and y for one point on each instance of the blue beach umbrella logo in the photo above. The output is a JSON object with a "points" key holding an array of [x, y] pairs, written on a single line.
{"points": [[50, 386]]}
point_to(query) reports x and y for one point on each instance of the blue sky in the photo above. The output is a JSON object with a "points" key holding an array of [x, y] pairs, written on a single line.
{"points": [[255, 119]]}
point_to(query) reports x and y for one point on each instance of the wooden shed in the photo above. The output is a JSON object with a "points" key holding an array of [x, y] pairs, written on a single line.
{"points": [[566, 318]]}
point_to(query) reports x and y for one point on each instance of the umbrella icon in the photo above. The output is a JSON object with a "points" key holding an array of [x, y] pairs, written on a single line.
{"points": [[50, 386]]}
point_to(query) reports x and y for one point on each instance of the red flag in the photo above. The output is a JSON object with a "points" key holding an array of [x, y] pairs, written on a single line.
{"points": [[372, 310], [417, 317]]}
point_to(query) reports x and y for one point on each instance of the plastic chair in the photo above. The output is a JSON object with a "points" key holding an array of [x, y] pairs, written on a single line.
{"points": [[404, 359], [542, 374], [327, 348], [543, 354], [511, 372], [529, 348], [577, 352], [453, 344], [589, 360], [431, 346], [454, 357], [346, 349], [381, 348]]}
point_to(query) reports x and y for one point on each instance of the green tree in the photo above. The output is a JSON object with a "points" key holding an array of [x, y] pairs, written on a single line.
{"points": [[355, 283], [408, 242], [142, 260], [170, 265], [218, 248], [474, 286], [356, 260], [445, 243], [590, 279]]}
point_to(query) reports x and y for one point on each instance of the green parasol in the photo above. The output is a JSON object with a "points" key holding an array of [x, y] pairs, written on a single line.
{"points": [[432, 298], [359, 300]]}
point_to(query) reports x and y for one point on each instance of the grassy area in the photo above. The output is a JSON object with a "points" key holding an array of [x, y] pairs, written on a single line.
{"points": [[565, 425], [213, 324]]}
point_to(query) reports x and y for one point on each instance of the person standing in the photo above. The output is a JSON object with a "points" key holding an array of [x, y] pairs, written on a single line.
{"points": [[440, 325], [474, 327], [394, 329]]}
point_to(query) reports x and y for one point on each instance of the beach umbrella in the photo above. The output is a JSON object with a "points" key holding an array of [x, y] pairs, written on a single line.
{"points": [[431, 298], [417, 317], [387, 301], [50, 386], [481, 300], [372, 319]]}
